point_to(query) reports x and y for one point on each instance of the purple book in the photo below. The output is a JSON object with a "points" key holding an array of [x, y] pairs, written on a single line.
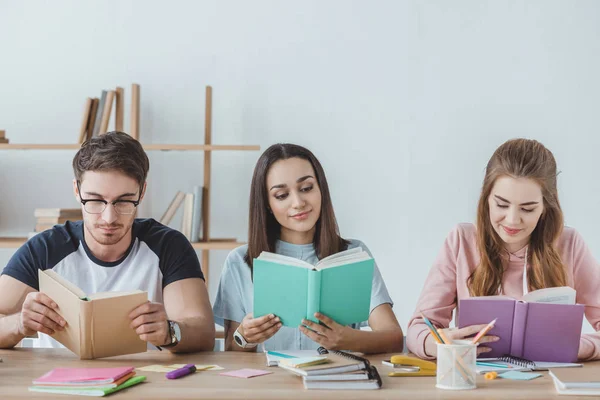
{"points": [[533, 331]]}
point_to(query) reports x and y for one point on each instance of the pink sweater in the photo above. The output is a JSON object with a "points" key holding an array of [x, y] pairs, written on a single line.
{"points": [[447, 283]]}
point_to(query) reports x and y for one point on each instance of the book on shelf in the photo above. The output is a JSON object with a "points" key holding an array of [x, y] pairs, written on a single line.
{"points": [[98, 324], [53, 220], [188, 211], [89, 130], [172, 209], [71, 214], [338, 286], [197, 214], [99, 112], [3, 141], [544, 326], [2, 134], [87, 110]]}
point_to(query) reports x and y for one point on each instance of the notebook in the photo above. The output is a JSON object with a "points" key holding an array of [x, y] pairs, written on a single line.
{"points": [[338, 286], [575, 379], [518, 364], [541, 327], [82, 376], [84, 391], [372, 381], [339, 363], [577, 387], [273, 357], [94, 321]]}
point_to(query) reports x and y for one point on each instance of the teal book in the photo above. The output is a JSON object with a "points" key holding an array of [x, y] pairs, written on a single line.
{"points": [[338, 286]]}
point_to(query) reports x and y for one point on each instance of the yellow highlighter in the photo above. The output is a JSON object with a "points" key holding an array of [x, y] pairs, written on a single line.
{"points": [[423, 367]]}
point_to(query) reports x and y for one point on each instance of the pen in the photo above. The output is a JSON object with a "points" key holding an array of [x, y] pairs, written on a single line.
{"points": [[178, 373]]}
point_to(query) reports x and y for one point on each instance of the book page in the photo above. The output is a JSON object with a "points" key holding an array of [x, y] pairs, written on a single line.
{"points": [[280, 259], [555, 295], [105, 295], [341, 254], [345, 260]]}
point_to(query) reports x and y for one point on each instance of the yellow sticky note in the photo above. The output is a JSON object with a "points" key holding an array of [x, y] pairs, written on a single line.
{"points": [[156, 368], [209, 367]]}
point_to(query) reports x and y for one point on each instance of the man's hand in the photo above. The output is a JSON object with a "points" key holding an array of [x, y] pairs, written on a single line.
{"points": [[150, 323], [39, 314], [332, 335]]}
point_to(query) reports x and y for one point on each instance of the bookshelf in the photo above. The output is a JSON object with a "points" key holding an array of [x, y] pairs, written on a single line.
{"points": [[207, 244]]}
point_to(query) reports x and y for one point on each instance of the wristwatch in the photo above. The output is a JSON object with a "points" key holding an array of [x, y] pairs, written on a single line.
{"points": [[241, 341], [174, 333]]}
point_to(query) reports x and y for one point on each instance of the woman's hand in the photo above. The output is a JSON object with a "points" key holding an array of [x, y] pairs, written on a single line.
{"points": [[258, 330], [460, 334], [332, 335]]}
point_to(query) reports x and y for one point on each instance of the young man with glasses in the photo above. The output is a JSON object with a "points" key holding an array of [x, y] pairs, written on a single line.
{"points": [[111, 250]]}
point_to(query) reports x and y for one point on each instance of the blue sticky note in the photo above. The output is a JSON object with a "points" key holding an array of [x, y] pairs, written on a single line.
{"points": [[519, 376]]}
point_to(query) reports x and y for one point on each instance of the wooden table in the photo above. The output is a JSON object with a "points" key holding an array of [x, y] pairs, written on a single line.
{"points": [[22, 365]]}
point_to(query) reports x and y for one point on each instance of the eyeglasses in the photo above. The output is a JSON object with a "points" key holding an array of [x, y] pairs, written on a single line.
{"points": [[97, 206]]}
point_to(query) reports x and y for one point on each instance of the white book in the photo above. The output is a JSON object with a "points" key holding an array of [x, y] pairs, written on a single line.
{"points": [[197, 214], [188, 210]]}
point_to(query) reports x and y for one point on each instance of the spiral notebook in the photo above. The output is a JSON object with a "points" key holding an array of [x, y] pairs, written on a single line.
{"points": [[520, 364], [339, 363], [372, 380]]}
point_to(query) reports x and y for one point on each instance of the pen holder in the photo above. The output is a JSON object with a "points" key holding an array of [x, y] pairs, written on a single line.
{"points": [[456, 366]]}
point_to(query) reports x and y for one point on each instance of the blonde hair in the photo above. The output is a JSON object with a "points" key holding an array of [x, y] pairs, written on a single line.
{"points": [[520, 158]]}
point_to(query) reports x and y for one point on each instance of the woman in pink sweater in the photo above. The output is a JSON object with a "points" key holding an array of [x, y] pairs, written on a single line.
{"points": [[518, 245]]}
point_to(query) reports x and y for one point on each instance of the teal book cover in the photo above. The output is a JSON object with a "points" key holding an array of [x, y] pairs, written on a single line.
{"points": [[293, 292]]}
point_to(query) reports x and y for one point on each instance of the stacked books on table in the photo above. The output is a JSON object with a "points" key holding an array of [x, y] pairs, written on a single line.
{"points": [[333, 370], [576, 382], [86, 381], [46, 218]]}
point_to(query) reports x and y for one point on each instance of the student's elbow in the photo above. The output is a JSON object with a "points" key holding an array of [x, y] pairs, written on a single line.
{"points": [[397, 341]]}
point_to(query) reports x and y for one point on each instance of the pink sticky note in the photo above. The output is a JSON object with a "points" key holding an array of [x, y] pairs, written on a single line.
{"points": [[246, 373]]}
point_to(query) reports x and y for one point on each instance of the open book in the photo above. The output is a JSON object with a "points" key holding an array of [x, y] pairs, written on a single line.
{"points": [[338, 286], [544, 326], [98, 324]]}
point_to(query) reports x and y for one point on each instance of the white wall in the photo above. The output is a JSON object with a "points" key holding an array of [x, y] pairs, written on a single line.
{"points": [[403, 102]]}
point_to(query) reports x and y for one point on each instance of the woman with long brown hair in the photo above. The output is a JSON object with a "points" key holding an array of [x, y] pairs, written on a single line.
{"points": [[518, 244], [291, 213]]}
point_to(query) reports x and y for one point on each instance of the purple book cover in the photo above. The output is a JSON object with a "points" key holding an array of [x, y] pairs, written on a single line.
{"points": [[535, 331]]}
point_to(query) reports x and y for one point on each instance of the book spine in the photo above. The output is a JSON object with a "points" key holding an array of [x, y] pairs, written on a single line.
{"points": [[99, 112], [86, 340], [197, 214], [517, 341], [314, 295]]}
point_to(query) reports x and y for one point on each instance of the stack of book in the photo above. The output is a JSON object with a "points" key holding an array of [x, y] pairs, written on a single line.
{"points": [[3, 139], [46, 218], [86, 381], [191, 222], [97, 113], [333, 370]]}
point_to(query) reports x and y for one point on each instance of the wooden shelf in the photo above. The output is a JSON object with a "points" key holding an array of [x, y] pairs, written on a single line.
{"points": [[148, 147], [214, 244]]}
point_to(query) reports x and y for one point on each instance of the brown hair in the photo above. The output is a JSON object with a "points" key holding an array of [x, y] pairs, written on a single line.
{"points": [[113, 151], [264, 229], [520, 158]]}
